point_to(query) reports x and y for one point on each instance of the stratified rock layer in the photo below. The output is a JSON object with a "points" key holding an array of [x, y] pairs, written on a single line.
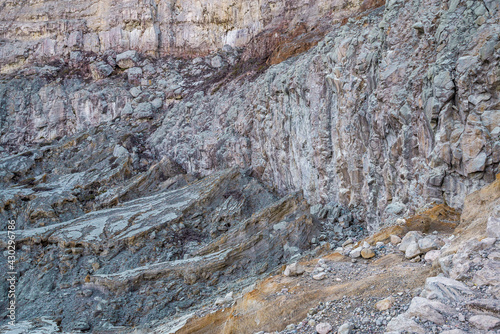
{"points": [[383, 114]]}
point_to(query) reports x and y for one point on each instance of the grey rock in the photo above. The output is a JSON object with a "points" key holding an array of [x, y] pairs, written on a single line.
{"points": [[100, 70], [134, 75], [445, 289], [127, 59], [429, 310], [403, 323], [412, 250], [120, 151], [144, 110], [345, 328], [485, 322], [493, 227], [293, 269], [429, 243], [135, 91]]}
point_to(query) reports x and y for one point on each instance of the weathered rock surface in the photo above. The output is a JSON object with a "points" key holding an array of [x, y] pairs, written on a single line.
{"points": [[166, 194], [325, 122]]}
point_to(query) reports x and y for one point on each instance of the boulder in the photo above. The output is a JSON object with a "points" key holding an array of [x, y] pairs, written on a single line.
{"points": [[127, 59]]}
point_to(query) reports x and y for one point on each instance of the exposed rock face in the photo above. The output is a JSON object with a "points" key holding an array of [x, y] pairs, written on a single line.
{"points": [[50, 29], [152, 242], [155, 188], [379, 115]]}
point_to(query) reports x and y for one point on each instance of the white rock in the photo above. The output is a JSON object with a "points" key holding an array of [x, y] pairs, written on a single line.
{"points": [[454, 331], [135, 91], [432, 256], [395, 239], [320, 276], [445, 289], [127, 59], [485, 322], [120, 151], [409, 238], [356, 252], [429, 243], [412, 250], [430, 310], [493, 227], [403, 323], [323, 328], [293, 269]]}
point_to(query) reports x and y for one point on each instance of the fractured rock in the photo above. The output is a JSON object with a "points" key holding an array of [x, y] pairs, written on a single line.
{"points": [[434, 311], [127, 59], [485, 322]]}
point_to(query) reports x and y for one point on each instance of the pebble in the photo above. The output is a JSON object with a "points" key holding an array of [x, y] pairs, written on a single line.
{"points": [[367, 253], [395, 239], [320, 276], [385, 304], [323, 328], [345, 328]]}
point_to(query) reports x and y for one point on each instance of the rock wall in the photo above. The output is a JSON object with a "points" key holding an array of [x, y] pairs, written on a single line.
{"points": [[393, 109], [34, 30]]}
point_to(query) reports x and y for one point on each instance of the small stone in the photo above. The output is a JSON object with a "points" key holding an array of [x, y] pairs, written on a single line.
{"points": [[293, 269], [157, 103], [81, 325], [432, 256], [429, 243], [419, 26], [134, 75], [410, 238], [345, 328], [144, 110], [228, 298], [347, 242], [127, 59], [323, 328], [311, 323], [416, 259], [403, 323], [367, 253], [135, 91], [488, 242], [412, 250], [395, 239], [385, 304], [485, 322], [319, 277], [120, 151], [216, 62], [356, 252], [100, 70]]}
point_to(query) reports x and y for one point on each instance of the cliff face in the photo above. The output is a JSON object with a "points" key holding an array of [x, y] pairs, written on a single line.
{"points": [[393, 109], [38, 30], [157, 154]]}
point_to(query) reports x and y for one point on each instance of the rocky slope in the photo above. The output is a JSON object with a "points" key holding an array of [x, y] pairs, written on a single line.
{"points": [[165, 161]]}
